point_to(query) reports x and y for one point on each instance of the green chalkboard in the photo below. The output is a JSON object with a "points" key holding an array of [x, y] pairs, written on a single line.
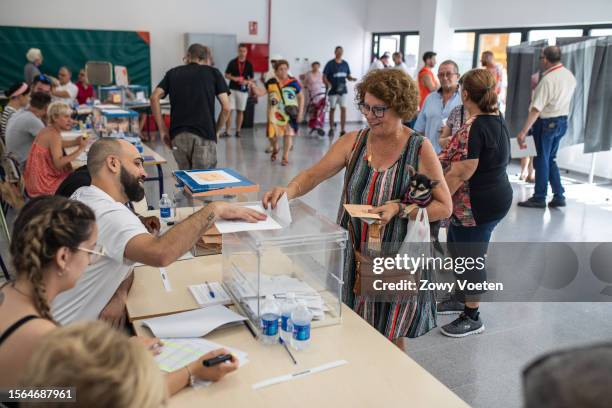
{"points": [[73, 48]]}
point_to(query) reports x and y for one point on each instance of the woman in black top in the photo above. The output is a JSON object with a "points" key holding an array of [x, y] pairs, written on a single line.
{"points": [[475, 171], [52, 243]]}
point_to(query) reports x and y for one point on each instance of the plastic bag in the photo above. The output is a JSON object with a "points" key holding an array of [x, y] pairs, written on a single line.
{"points": [[417, 241]]}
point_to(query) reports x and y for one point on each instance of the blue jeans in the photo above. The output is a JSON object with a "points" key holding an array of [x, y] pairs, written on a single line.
{"points": [[470, 242], [547, 134]]}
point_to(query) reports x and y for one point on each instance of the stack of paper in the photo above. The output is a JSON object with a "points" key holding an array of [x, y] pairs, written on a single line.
{"points": [[278, 286], [176, 353], [194, 323], [202, 294]]}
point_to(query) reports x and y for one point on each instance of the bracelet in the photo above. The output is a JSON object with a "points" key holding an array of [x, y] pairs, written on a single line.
{"points": [[297, 184], [191, 377]]}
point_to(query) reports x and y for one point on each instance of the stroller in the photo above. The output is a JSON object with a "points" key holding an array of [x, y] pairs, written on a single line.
{"points": [[316, 108]]}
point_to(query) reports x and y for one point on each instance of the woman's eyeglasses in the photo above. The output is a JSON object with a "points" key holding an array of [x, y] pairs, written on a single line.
{"points": [[94, 254], [377, 111]]}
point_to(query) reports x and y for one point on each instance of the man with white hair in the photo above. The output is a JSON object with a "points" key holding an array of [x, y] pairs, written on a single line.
{"points": [[66, 91], [35, 59]]}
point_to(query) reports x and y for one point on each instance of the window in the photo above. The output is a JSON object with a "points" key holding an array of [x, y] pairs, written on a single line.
{"points": [[600, 32], [411, 53], [497, 44], [463, 50], [552, 34], [404, 42]]}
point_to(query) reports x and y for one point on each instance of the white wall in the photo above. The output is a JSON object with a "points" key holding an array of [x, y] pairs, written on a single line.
{"points": [[300, 28], [315, 30], [522, 13]]}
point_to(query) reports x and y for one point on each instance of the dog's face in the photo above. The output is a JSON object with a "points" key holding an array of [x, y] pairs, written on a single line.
{"points": [[420, 185]]}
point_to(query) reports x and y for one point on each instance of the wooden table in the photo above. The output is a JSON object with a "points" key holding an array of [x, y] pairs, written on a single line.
{"points": [[378, 373]]}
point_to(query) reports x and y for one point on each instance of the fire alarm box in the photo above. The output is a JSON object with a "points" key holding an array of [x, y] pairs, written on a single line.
{"points": [[253, 27]]}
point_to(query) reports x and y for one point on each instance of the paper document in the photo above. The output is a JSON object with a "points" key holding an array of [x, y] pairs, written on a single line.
{"points": [[194, 323], [360, 211], [202, 295], [282, 212], [516, 152], [226, 226], [289, 377], [176, 353], [206, 178]]}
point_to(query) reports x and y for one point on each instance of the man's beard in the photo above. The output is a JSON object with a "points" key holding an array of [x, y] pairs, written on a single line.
{"points": [[131, 185]]}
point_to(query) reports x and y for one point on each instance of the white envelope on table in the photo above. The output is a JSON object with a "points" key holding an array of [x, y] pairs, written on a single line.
{"points": [[516, 152]]}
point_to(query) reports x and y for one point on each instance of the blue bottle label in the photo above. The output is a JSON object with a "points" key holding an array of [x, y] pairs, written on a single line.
{"points": [[285, 322], [269, 325], [301, 332], [164, 212]]}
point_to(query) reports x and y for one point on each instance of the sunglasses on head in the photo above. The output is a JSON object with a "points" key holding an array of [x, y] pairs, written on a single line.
{"points": [[42, 78]]}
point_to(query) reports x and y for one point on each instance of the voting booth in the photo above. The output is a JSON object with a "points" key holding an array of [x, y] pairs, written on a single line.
{"points": [[305, 256]]}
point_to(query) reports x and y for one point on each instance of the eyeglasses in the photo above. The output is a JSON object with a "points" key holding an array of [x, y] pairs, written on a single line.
{"points": [[447, 74], [94, 254], [377, 111]]}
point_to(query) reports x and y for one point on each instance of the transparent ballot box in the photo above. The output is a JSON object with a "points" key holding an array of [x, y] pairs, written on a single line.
{"points": [[121, 95], [115, 122], [305, 257]]}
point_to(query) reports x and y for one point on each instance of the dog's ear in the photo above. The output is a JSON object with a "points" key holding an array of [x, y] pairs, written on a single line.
{"points": [[411, 171], [434, 183]]}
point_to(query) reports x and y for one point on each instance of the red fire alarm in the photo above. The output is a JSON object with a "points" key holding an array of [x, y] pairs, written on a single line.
{"points": [[253, 27]]}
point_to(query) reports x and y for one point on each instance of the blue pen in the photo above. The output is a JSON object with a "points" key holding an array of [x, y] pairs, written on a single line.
{"points": [[210, 291]]}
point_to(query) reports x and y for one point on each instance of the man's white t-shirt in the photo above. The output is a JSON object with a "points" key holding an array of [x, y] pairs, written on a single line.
{"points": [[117, 224], [72, 91]]}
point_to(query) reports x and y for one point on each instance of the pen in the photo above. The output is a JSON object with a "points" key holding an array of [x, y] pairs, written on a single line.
{"points": [[210, 291], [250, 330], [284, 343], [217, 360]]}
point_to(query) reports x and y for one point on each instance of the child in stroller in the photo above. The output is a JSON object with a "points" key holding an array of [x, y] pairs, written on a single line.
{"points": [[317, 104]]}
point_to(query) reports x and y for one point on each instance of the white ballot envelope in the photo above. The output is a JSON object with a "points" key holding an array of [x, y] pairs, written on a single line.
{"points": [[517, 153]]}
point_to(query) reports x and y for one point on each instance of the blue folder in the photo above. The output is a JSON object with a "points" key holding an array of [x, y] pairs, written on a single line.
{"points": [[184, 179]]}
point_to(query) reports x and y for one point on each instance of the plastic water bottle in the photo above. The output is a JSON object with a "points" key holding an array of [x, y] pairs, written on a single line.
{"points": [[286, 308], [165, 209], [300, 319], [270, 312], [88, 122]]}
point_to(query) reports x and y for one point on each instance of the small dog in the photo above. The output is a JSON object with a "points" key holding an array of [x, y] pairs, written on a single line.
{"points": [[420, 195]]}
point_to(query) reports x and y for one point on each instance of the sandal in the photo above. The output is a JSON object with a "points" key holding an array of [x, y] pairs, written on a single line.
{"points": [[284, 162], [274, 153]]}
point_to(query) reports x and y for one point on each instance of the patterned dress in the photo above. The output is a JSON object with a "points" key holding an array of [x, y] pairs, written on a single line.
{"points": [[364, 185], [457, 150]]}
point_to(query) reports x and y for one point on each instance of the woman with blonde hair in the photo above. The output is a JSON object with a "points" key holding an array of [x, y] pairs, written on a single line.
{"points": [[53, 241], [378, 162], [102, 366], [47, 166]]}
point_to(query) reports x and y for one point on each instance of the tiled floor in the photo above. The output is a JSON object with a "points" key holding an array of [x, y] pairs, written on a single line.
{"points": [[485, 369]]}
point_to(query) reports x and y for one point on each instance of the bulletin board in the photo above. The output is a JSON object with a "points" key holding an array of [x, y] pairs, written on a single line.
{"points": [[73, 48]]}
